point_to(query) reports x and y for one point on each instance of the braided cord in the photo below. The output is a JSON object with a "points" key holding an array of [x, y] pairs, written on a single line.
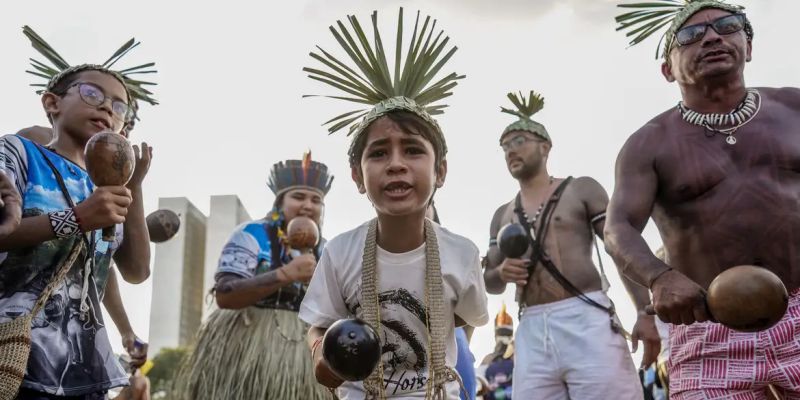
{"points": [[371, 305], [439, 373]]}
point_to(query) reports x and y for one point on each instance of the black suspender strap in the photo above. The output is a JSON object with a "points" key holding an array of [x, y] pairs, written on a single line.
{"points": [[539, 255]]}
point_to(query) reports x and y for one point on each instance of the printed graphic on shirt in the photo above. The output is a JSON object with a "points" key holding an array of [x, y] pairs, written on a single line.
{"points": [[70, 351], [404, 351]]}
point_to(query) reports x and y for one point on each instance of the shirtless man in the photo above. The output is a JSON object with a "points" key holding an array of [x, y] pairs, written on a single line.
{"points": [[719, 198], [565, 348]]}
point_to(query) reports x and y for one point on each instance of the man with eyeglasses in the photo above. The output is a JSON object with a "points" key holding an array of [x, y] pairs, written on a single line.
{"points": [[569, 344], [718, 174]]}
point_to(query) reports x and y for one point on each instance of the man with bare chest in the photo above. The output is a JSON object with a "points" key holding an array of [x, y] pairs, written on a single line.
{"points": [[569, 344], [720, 176]]}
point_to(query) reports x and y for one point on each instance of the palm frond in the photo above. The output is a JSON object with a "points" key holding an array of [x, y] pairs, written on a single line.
{"points": [[45, 49], [368, 76], [136, 68], [44, 68], [524, 107], [38, 74], [128, 46], [59, 64], [135, 86], [648, 18]]}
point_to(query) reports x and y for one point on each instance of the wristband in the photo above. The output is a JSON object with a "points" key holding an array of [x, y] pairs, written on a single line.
{"points": [[64, 223], [652, 281]]}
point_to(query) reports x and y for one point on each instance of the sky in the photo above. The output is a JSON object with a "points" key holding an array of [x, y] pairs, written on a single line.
{"points": [[230, 85]]}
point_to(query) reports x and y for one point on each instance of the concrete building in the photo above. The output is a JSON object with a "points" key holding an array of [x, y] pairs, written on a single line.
{"points": [[184, 266], [226, 213]]}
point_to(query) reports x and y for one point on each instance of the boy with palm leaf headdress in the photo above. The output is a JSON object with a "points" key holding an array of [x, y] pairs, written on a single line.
{"points": [[109, 286], [714, 173], [62, 209], [409, 278], [569, 343]]}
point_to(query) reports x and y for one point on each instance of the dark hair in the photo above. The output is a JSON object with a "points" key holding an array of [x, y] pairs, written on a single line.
{"points": [[60, 88], [66, 80], [410, 123]]}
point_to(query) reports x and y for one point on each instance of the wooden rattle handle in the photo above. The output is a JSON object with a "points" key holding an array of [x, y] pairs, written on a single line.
{"points": [[109, 233]]}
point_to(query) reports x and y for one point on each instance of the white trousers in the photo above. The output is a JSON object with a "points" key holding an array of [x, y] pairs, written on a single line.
{"points": [[567, 350]]}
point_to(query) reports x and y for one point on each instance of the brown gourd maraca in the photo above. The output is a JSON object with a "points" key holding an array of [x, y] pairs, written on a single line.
{"points": [[302, 234], [747, 298], [162, 225], [109, 162]]}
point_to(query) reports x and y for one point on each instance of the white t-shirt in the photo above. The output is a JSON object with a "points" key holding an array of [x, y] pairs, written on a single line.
{"points": [[335, 293]]}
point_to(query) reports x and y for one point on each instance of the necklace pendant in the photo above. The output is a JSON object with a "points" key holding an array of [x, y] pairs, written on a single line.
{"points": [[731, 140]]}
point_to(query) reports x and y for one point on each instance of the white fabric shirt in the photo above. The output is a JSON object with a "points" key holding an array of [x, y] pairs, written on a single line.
{"points": [[335, 293]]}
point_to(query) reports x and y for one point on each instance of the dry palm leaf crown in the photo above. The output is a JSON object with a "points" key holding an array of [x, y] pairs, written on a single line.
{"points": [[60, 68], [371, 83], [651, 16], [524, 109]]}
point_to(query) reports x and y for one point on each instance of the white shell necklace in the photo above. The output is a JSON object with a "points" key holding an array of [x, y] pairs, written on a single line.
{"points": [[739, 117]]}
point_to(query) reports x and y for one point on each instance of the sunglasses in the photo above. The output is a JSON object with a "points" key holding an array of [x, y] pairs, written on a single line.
{"points": [[95, 97], [723, 26]]}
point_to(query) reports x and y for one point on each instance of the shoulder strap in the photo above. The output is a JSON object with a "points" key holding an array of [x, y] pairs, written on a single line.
{"points": [[536, 243], [64, 191], [543, 219], [58, 276], [603, 278], [540, 255], [57, 173]]}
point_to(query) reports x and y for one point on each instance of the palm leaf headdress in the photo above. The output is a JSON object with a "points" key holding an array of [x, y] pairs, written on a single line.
{"points": [[59, 68], [369, 82], [524, 109], [651, 16]]}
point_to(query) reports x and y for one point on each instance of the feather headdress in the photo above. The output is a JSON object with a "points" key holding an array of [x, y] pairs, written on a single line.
{"points": [[305, 173]]}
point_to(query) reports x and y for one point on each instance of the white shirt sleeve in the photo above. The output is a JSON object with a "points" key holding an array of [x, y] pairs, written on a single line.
{"points": [[324, 303], [472, 303], [240, 255]]}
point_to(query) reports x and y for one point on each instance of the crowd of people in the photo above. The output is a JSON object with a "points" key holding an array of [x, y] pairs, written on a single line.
{"points": [[718, 174]]}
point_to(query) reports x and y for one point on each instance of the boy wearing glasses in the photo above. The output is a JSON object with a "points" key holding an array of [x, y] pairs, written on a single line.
{"points": [[71, 356], [718, 175], [569, 343]]}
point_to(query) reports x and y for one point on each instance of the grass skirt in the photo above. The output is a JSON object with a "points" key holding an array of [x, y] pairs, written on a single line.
{"points": [[252, 353]]}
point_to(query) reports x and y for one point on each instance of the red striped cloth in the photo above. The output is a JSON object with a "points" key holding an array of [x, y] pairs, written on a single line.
{"points": [[710, 361]]}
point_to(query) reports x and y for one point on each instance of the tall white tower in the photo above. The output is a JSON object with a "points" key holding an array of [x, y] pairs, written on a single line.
{"points": [[226, 213], [177, 302], [184, 268]]}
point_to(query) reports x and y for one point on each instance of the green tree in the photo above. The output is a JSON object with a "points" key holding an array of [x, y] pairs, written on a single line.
{"points": [[165, 366]]}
